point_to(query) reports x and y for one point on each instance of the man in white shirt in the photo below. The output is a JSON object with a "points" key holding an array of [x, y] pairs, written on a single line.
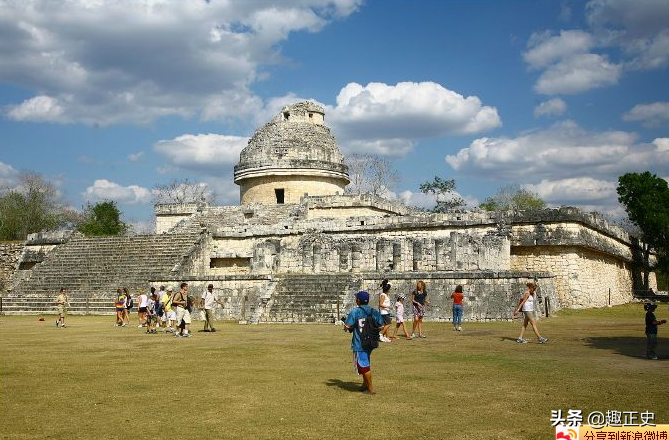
{"points": [[143, 305], [209, 301]]}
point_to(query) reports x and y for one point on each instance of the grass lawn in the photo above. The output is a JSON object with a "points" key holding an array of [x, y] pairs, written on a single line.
{"points": [[93, 380]]}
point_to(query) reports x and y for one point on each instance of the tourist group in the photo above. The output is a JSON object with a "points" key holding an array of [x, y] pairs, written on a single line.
{"points": [[166, 309]]}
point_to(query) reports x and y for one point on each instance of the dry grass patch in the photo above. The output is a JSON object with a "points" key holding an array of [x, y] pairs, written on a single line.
{"points": [[93, 380]]}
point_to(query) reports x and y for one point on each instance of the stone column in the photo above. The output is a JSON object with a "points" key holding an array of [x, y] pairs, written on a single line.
{"points": [[397, 256], [317, 258], [344, 258], [307, 258], [379, 256], [356, 257], [439, 256], [417, 255]]}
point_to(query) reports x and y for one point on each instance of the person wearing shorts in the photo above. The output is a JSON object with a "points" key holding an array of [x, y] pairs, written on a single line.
{"points": [[399, 317], [129, 304], [419, 301], [354, 322], [62, 303], [526, 305], [170, 314], [142, 310], [120, 307], [183, 315], [384, 309]]}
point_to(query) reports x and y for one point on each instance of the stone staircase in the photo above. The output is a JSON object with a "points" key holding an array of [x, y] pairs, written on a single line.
{"points": [[310, 298], [93, 268]]}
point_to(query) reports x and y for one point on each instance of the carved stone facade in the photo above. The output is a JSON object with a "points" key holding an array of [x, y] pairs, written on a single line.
{"points": [[299, 254]]}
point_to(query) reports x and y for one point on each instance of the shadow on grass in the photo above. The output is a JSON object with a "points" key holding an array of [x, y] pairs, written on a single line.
{"points": [[632, 346], [347, 386], [506, 338], [468, 332]]}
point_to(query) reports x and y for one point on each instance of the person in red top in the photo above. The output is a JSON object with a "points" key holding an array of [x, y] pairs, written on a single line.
{"points": [[457, 307]]}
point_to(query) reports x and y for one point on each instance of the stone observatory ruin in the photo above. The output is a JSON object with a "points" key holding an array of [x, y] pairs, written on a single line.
{"points": [[297, 247]]}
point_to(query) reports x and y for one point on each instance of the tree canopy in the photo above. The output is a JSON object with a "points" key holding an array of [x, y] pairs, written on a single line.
{"points": [[103, 218], [444, 190], [646, 200], [31, 206], [182, 191], [513, 198], [370, 174]]}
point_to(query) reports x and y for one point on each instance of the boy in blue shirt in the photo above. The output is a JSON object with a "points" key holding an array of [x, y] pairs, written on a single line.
{"points": [[354, 323]]}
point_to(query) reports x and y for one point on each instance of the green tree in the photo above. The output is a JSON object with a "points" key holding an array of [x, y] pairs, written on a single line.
{"points": [[646, 200], [447, 198], [513, 198], [103, 218], [31, 206]]}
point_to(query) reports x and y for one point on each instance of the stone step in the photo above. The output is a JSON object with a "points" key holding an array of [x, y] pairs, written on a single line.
{"points": [[310, 298], [90, 266]]}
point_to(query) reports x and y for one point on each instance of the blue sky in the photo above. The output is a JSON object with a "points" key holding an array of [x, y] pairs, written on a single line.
{"points": [[108, 99]]}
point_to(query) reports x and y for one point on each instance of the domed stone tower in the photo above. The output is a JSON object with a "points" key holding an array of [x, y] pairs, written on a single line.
{"points": [[291, 156]]}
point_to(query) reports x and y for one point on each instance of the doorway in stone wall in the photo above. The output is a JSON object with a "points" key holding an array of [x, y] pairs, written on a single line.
{"points": [[279, 192]]}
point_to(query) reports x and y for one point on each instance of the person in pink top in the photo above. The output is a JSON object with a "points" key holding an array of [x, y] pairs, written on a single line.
{"points": [[399, 317]]}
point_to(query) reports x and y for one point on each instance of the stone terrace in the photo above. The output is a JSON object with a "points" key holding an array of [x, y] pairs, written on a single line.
{"points": [[93, 268], [237, 216]]}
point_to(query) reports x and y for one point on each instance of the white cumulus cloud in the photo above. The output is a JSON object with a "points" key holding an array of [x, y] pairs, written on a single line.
{"points": [[662, 144], [106, 62], [650, 115], [580, 190], [390, 119], [202, 152], [552, 107], [103, 189], [8, 175], [634, 32], [639, 27], [578, 73], [545, 49], [564, 150], [584, 192], [38, 109], [135, 157]]}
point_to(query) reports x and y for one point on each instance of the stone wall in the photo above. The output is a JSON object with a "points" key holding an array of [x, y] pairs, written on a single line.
{"points": [[240, 294], [262, 189], [353, 205], [10, 251], [489, 296], [358, 251], [168, 215], [583, 277], [570, 234]]}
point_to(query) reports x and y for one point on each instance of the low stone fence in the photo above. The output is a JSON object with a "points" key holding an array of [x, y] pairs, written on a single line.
{"points": [[489, 296]]}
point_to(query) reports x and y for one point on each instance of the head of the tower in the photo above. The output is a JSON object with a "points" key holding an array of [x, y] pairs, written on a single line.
{"points": [[291, 156]]}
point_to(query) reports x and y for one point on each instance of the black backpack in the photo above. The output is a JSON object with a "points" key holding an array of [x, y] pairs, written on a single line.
{"points": [[369, 333], [189, 304]]}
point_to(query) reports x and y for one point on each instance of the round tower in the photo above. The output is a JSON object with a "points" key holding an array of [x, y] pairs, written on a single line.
{"points": [[291, 156]]}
